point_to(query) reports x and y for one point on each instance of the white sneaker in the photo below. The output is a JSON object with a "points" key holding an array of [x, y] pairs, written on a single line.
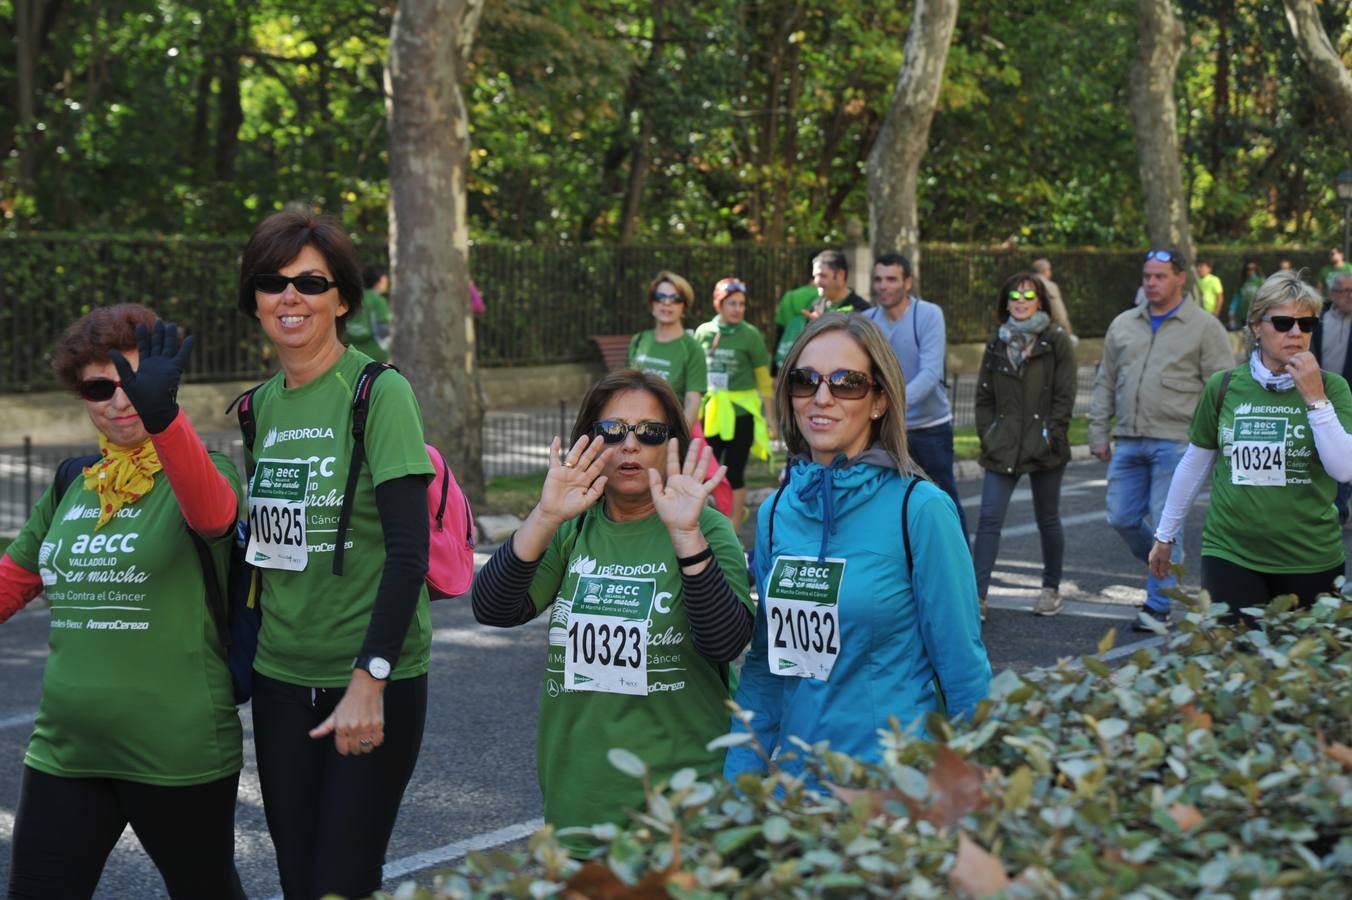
{"points": [[982, 607], [1049, 602]]}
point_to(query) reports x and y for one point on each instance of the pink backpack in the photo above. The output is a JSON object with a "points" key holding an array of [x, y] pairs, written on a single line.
{"points": [[450, 549]]}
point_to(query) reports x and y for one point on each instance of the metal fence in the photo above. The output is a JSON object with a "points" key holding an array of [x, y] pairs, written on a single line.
{"points": [[543, 302], [515, 442]]}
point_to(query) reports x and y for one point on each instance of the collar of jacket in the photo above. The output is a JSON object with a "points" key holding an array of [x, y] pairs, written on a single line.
{"points": [[1186, 310]]}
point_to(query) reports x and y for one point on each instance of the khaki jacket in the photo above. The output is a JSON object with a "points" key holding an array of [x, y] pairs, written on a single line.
{"points": [[1150, 382]]}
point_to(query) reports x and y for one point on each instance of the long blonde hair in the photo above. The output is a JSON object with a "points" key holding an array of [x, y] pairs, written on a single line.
{"points": [[888, 431]]}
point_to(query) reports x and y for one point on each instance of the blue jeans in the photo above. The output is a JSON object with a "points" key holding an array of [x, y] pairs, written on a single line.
{"points": [[995, 493], [1138, 483], [932, 449]]}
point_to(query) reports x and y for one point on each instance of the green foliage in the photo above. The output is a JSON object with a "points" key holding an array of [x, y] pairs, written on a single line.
{"points": [[1220, 761]]}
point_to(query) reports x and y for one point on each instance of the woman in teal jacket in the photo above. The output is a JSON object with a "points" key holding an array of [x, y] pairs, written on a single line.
{"points": [[849, 631]]}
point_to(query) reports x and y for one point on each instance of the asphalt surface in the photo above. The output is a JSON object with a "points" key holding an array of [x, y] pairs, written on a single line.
{"points": [[475, 784]]}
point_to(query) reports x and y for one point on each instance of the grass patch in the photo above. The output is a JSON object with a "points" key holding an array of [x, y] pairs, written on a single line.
{"points": [[518, 494]]}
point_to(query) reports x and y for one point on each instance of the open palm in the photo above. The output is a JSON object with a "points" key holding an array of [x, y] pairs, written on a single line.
{"points": [[681, 499]]}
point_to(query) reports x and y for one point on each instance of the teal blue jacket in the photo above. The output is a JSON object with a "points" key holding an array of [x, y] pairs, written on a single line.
{"points": [[901, 632]]}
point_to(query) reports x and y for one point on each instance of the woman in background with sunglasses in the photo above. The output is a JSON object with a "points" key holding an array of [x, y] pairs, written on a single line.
{"points": [[340, 677], [1024, 400], [137, 722], [1281, 427], [739, 386], [666, 350], [650, 602], [867, 603]]}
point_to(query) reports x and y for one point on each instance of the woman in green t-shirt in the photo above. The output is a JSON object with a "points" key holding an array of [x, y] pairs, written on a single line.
{"points": [[737, 404], [650, 602], [666, 350], [137, 723], [1274, 437], [340, 677]]}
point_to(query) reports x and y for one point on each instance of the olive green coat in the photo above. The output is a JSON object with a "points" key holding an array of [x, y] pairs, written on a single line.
{"points": [[1023, 415]]}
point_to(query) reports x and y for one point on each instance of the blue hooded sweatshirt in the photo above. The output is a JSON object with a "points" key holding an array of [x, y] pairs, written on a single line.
{"points": [[898, 633]]}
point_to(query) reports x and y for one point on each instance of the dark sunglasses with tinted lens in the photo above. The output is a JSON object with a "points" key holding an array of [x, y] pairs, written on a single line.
{"points": [[97, 390], [663, 297], [844, 384], [306, 284], [613, 431], [1284, 323]]}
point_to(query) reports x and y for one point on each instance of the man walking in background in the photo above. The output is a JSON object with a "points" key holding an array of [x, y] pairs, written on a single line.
{"points": [[369, 330], [1210, 288], [1156, 360], [1059, 314], [915, 328], [1332, 346]]}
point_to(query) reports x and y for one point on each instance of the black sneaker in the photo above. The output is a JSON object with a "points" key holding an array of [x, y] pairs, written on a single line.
{"points": [[1145, 611]]}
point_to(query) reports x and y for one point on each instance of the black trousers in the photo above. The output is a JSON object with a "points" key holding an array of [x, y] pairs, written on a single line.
{"points": [[331, 816], [1238, 587], [736, 452], [66, 827]]}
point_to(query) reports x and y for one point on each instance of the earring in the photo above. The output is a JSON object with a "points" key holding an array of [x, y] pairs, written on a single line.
{"points": [[875, 415]]}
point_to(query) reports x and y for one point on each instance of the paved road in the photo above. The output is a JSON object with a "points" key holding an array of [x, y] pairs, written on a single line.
{"points": [[475, 781]]}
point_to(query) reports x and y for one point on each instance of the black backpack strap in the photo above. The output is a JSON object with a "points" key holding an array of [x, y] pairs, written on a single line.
{"points": [[215, 599], [1225, 385], [361, 408], [906, 525], [770, 543], [71, 469]]}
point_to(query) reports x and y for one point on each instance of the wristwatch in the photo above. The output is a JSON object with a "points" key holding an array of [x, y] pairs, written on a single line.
{"points": [[1318, 404], [376, 666]]}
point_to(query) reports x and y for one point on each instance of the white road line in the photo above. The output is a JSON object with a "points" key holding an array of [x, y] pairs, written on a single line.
{"points": [[18, 720], [452, 852]]}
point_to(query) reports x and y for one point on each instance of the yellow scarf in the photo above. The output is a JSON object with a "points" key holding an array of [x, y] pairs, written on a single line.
{"points": [[125, 475]]}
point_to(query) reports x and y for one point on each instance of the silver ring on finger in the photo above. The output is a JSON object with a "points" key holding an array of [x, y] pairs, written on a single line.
{"points": [[365, 742]]}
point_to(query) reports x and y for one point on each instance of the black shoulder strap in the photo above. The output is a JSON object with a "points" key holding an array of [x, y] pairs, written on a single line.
{"points": [[1225, 385], [906, 525], [361, 408], [770, 545], [71, 469]]}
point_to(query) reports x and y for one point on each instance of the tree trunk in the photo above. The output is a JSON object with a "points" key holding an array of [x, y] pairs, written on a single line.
{"points": [[30, 26], [1154, 115], [230, 112], [894, 163], [429, 229], [1325, 65]]}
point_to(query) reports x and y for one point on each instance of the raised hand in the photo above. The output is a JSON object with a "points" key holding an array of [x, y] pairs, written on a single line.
{"points": [[152, 387], [682, 498], [571, 487]]}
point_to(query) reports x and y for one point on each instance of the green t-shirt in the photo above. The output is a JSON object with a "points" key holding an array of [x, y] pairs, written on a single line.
{"points": [[135, 686], [789, 316], [369, 330], [680, 363], [683, 707], [732, 353], [1212, 291], [1290, 526], [314, 621]]}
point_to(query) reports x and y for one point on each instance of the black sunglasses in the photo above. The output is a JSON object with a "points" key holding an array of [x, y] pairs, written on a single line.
{"points": [[844, 384], [306, 284], [1284, 323], [97, 390], [613, 431]]}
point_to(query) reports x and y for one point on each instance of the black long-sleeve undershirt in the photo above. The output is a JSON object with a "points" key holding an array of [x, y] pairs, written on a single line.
{"points": [[401, 504]]}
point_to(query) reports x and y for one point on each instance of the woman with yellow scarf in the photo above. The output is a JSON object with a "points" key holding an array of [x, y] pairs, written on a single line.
{"points": [[137, 723], [739, 390]]}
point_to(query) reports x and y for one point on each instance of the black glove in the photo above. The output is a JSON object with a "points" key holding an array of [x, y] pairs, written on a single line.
{"points": [[153, 387]]}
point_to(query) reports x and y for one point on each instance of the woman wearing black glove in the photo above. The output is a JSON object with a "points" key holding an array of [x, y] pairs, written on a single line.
{"points": [[137, 724]]}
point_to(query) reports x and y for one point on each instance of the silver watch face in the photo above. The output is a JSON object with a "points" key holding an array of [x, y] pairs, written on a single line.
{"points": [[378, 667]]}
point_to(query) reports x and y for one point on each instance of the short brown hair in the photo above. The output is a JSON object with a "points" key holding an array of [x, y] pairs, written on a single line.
{"points": [[631, 380], [92, 335], [1012, 283], [280, 237], [682, 287]]}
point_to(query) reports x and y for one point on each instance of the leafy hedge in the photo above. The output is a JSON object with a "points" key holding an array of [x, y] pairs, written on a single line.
{"points": [[1218, 764]]}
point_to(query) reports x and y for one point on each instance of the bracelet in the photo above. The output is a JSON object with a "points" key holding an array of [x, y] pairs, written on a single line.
{"points": [[1318, 404], [706, 553]]}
